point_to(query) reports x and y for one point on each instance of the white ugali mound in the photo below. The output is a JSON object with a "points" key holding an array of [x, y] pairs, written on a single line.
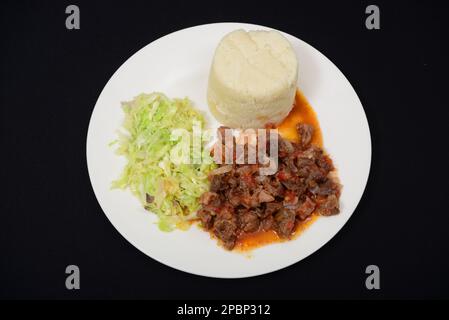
{"points": [[252, 79]]}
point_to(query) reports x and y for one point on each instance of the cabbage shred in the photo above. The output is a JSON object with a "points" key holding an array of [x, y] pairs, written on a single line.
{"points": [[146, 144]]}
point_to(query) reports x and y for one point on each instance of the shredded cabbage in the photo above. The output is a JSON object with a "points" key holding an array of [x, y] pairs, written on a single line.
{"points": [[146, 143]]}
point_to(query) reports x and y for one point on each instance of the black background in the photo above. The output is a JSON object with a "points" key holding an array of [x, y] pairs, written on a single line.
{"points": [[51, 78]]}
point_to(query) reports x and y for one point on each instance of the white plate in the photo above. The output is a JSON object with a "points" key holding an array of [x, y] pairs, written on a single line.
{"points": [[178, 65]]}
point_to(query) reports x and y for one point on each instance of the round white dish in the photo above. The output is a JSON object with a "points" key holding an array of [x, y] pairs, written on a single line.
{"points": [[178, 65]]}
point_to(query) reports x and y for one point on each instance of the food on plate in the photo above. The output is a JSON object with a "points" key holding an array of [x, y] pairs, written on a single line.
{"points": [[241, 201], [252, 84], [302, 112], [252, 79], [170, 190]]}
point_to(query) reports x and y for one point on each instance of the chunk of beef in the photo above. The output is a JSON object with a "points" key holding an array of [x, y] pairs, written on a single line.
{"points": [[210, 198], [317, 174], [206, 218], [305, 132], [261, 179], [267, 223], [325, 163], [328, 206], [285, 222], [248, 200], [305, 208], [272, 207], [265, 196], [231, 181], [302, 162], [291, 200], [290, 164], [295, 184], [249, 221], [273, 187], [234, 197], [283, 174], [225, 228], [327, 188], [216, 184], [312, 152], [285, 147]]}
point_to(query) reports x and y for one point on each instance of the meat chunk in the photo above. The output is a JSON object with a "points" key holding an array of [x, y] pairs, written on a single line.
{"points": [[285, 222], [225, 228], [290, 164], [325, 163], [264, 196], [248, 200], [296, 184], [328, 206], [306, 208], [267, 223], [317, 174], [216, 184], [249, 221], [285, 147], [326, 189], [206, 218], [291, 200], [311, 152], [272, 207], [273, 187], [305, 132], [210, 198]]}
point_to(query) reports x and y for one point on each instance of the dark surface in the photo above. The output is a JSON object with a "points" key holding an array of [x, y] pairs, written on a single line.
{"points": [[51, 78]]}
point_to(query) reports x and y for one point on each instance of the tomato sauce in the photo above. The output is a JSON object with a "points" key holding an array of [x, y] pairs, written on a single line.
{"points": [[302, 111]]}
